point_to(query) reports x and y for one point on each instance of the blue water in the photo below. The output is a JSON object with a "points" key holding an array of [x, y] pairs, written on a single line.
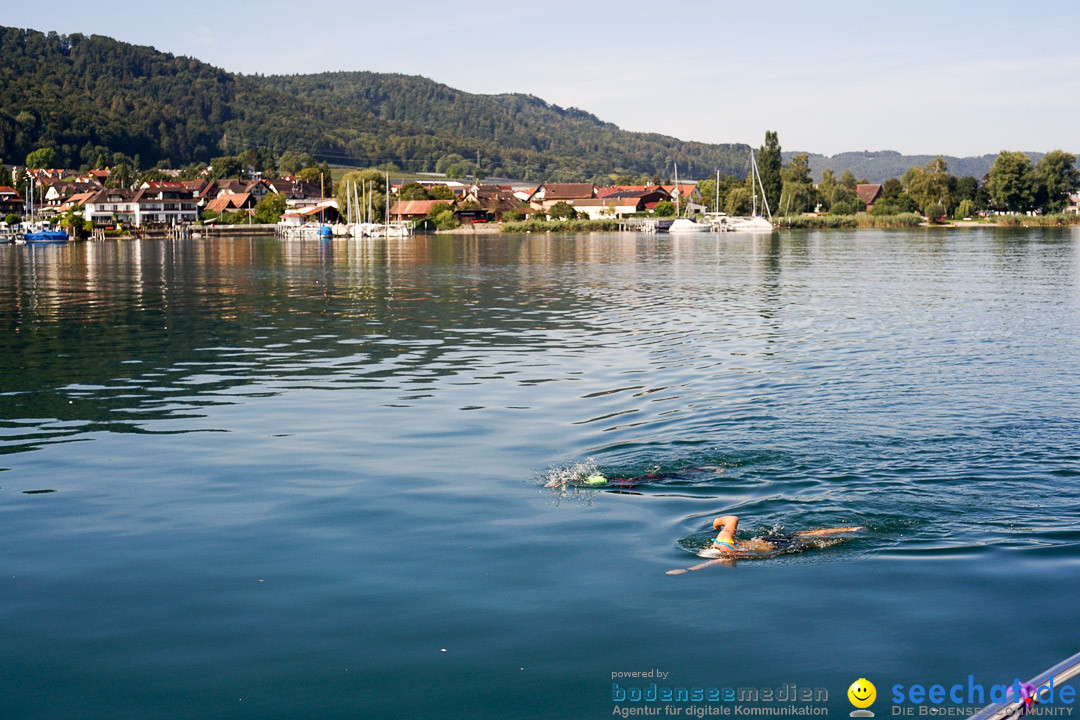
{"points": [[307, 479]]}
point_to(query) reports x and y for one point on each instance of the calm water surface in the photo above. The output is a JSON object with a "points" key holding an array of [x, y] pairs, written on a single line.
{"points": [[307, 479]]}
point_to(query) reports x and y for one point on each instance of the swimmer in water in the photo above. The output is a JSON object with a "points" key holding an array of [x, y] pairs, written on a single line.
{"points": [[598, 480], [727, 549]]}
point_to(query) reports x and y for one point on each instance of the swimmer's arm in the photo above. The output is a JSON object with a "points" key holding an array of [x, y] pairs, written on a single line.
{"points": [[702, 566]]}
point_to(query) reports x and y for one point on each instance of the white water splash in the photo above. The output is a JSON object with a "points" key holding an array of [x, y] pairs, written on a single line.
{"points": [[570, 475]]}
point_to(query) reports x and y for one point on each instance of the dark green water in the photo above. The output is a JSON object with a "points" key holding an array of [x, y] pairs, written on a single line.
{"points": [[306, 479]]}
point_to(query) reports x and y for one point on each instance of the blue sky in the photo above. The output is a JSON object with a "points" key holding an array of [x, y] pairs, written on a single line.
{"points": [[949, 77]]}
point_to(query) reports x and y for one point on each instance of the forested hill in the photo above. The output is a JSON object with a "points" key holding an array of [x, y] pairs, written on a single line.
{"points": [[579, 143], [90, 96], [881, 165]]}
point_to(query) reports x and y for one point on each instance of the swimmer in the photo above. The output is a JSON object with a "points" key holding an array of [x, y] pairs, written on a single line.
{"points": [[598, 480], [726, 548]]}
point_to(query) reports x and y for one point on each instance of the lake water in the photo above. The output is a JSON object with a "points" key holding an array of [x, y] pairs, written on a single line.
{"points": [[306, 479]]}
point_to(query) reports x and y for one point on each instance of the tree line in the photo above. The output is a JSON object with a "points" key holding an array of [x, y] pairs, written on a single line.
{"points": [[1013, 184]]}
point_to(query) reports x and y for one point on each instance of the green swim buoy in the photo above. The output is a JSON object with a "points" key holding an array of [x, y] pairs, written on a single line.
{"points": [[596, 480]]}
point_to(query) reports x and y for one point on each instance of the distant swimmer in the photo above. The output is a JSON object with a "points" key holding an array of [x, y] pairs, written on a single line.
{"points": [[725, 548], [597, 480]]}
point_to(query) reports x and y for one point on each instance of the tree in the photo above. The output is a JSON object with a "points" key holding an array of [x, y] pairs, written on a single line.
{"points": [[769, 167], [5, 176], [412, 191], [368, 185], [965, 209], [1056, 178], [270, 208], [826, 188], [440, 192], [847, 179], [799, 195], [1010, 184], [226, 166], [737, 202], [967, 188], [44, 157], [664, 208], [291, 162], [931, 185], [891, 188], [561, 211], [122, 175]]}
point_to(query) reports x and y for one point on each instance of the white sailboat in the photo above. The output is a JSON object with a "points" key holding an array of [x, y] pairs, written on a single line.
{"points": [[755, 223], [681, 225]]}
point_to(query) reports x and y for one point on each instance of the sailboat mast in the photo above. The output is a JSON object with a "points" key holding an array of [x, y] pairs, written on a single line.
{"points": [[753, 187], [678, 211]]}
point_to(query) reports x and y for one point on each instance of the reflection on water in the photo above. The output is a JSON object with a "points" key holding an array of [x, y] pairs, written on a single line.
{"points": [[214, 440]]}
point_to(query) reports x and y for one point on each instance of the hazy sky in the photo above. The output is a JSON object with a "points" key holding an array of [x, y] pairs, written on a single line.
{"points": [[950, 77]]}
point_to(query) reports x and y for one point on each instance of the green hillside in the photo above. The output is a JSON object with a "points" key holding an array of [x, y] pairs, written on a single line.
{"points": [[524, 133], [90, 96], [881, 165]]}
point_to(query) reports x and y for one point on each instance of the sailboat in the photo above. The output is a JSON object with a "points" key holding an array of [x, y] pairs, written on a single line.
{"points": [[681, 225], [40, 232], [755, 223]]}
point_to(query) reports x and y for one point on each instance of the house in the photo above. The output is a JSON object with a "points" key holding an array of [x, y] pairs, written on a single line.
{"points": [[142, 207], [311, 211], [1074, 203], [10, 201], [228, 202], [523, 194], [415, 209], [111, 205], [609, 207], [75, 201], [165, 203], [868, 194], [686, 195], [293, 189], [548, 194], [649, 196], [59, 192]]}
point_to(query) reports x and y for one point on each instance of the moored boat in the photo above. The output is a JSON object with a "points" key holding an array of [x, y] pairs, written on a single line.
{"points": [[686, 226]]}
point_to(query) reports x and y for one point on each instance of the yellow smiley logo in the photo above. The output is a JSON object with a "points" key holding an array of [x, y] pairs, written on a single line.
{"points": [[862, 693]]}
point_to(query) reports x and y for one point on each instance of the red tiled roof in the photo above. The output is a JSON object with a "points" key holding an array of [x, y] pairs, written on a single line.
{"points": [[75, 200], [569, 191], [226, 202], [416, 207], [684, 189], [868, 193]]}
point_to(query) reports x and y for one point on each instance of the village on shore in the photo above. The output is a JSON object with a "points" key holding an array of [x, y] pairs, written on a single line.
{"points": [[89, 202]]}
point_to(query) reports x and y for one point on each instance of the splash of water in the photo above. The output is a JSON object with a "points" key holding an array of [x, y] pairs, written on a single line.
{"points": [[571, 474]]}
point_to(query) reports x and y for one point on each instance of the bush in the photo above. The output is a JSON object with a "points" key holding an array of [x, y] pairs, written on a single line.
{"points": [[561, 210], [934, 211], [896, 205], [513, 216], [664, 209], [540, 226], [12, 219], [833, 222], [270, 209], [846, 207], [444, 219]]}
